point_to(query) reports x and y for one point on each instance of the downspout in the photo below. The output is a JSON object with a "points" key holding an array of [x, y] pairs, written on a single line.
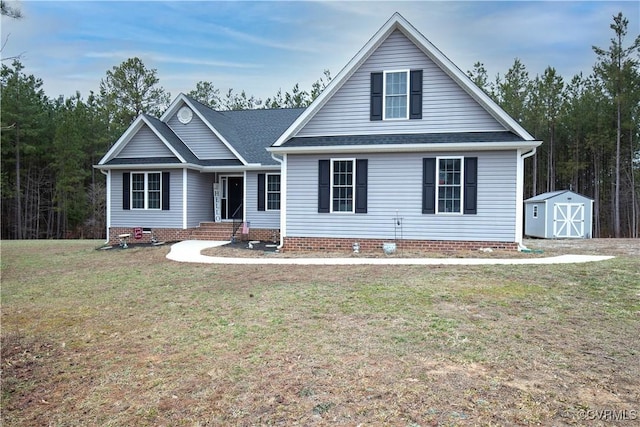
{"points": [[107, 174], [524, 156], [283, 198]]}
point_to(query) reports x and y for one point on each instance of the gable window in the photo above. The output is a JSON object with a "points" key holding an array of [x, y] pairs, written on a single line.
{"points": [[449, 188], [342, 185], [449, 185], [396, 94], [145, 190]]}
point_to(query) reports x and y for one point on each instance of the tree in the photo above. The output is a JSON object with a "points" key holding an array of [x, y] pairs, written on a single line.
{"points": [[207, 94], [129, 90], [298, 98], [11, 12], [240, 101], [549, 91], [613, 66], [480, 78], [24, 114]]}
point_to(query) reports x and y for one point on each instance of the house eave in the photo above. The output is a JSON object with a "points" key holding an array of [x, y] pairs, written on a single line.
{"points": [[200, 168], [406, 148]]}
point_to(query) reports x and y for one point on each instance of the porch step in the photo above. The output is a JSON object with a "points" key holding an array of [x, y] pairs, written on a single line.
{"points": [[213, 231]]}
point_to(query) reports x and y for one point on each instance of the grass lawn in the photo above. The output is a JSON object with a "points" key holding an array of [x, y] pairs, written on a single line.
{"points": [[128, 338]]}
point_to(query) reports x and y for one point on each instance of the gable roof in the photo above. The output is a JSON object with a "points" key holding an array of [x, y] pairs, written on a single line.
{"points": [[398, 22], [247, 134], [161, 130], [550, 195]]}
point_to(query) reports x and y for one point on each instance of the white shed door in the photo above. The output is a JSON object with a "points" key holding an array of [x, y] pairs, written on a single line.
{"points": [[568, 220]]}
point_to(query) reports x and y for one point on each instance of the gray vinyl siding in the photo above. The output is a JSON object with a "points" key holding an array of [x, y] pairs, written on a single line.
{"points": [[200, 139], [445, 106], [199, 198], [535, 226], [147, 218], [395, 188], [145, 143], [258, 219]]}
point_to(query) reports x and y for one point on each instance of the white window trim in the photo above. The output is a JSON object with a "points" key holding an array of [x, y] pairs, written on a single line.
{"points": [[146, 191], [461, 158], [266, 191], [353, 186], [384, 94], [535, 211]]}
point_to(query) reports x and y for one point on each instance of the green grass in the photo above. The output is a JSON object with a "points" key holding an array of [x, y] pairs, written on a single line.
{"points": [[121, 338]]}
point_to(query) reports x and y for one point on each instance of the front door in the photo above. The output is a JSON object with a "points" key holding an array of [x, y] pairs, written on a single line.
{"points": [[234, 195]]}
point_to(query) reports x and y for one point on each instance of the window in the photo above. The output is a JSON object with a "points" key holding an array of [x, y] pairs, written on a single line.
{"points": [[273, 192], [396, 94], [450, 185], [342, 184], [535, 211], [449, 188], [146, 190]]}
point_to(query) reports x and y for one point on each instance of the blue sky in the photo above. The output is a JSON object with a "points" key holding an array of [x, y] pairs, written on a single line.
{"points": [[260, 47]]}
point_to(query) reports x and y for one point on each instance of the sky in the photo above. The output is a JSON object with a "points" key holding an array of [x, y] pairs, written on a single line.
{"points": [[260, 47]]}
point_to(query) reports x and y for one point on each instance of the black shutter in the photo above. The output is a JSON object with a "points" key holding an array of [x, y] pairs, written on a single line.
{"points": [[415, 95], [429, 185], [470, 185], [261, 191], [165, 191], [324, 184], [361, 185], [126, 191], [376, 96]]}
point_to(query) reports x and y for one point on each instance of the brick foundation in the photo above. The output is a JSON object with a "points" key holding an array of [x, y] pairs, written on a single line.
{"points": [[162, 234], [262, 234], [375, 245], [178, 234]]}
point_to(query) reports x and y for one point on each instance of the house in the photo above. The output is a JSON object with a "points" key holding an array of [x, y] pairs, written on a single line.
{"points": [[559, 215], [172, 177], [400, 145]]}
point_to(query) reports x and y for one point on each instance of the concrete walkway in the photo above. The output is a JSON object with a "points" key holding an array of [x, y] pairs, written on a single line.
{"points": [[189, 251]]}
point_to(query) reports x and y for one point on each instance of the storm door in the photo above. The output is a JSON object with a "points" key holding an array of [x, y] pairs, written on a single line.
{"points": [[232, 193]]}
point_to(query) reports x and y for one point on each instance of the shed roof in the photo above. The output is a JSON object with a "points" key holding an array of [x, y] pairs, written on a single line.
{"points": [[551, 194]]}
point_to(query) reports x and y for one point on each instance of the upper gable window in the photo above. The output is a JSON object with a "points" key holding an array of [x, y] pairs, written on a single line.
{"points": [[396, 95]]}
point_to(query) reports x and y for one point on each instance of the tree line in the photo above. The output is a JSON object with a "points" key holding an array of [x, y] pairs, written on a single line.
{"points": [[49, 189]]}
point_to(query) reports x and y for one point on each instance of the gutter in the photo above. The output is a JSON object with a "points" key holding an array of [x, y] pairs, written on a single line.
{"points": [[281, 161], [108, 214], [521, 247], [396, 148]]}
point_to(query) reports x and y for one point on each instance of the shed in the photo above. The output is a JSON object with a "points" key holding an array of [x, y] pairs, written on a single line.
{"points": [[558, 215]]}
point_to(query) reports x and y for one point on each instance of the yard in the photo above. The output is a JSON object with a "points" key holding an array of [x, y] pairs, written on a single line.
{"points": [[124, 338]]}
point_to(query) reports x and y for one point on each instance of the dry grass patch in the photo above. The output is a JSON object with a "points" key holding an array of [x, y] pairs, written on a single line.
{"points": [[128, 338]]}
